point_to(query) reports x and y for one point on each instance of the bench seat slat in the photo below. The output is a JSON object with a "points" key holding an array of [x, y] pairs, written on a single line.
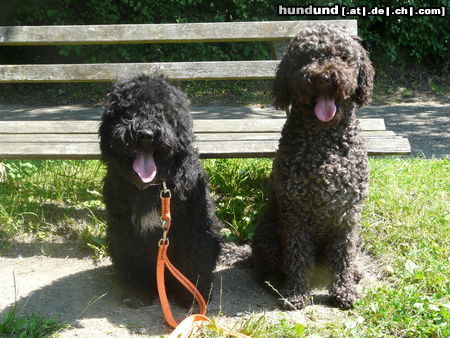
{"points": [[200, 126], [231, 149], [276, 136], [93, 138], [160, 33], [208, 149]]}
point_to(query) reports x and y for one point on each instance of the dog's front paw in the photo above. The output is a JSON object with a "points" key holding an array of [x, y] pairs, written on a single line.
{"points": [[357, 276], [345, 298], [185, 300], [135, 302], [295, 302]]}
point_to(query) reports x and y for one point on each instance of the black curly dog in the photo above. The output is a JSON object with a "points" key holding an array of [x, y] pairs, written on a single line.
{"points": [[320, 175], [146, 138]]}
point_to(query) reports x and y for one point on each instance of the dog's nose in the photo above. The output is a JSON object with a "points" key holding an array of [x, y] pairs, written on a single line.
{"points": [[146, 135], [323, 80]]}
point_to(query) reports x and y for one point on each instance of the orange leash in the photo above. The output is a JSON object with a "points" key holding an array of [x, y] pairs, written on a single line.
{"points": [[163, 262], [189, 326]]}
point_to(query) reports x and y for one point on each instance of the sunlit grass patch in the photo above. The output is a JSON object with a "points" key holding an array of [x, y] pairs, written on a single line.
{"points": [[405, 227], [30, 325]]}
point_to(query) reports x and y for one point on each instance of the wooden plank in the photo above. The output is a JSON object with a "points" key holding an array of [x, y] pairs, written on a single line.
{"points": [[49, 151], [49, 138], [48, 127], [244, 149], [262, 125], [378, 133], [93, 138], [388, 146], [274, 136], [238, 125], [200, 126], [208, 149], [372, 124], [161, 33], [210, 70]]}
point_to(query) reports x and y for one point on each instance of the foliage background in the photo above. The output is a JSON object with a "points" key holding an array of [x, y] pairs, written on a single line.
{"points": [[395, 39]]}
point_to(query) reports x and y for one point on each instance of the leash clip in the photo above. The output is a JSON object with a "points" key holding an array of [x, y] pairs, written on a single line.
{"points": [[164, 241], [165, 191], [165, 223], [165, 218]]}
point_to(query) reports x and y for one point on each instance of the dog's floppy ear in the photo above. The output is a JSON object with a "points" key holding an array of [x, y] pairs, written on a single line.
{"points": [[111, 103], [281, 91], [363, 94], [109, 113]]}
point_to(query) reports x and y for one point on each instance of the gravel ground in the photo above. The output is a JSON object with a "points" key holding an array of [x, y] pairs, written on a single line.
{"points": [[56, 279]]}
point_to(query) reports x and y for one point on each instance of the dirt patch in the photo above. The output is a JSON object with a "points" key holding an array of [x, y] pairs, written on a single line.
{"points": [[56, 279]]}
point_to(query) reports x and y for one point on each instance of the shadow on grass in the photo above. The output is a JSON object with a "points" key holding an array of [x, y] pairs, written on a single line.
{"points": [[57, 222]]}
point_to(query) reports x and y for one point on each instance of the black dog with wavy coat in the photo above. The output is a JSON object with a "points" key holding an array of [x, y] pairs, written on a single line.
{"points": [[320, 174], [146, 138]]}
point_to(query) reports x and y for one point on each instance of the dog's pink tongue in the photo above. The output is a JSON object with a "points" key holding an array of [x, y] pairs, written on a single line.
{"points": [[325, 108], [144, 165]]}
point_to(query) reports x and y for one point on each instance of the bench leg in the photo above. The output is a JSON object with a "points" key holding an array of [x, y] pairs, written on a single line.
{"points": [[2, 173]]}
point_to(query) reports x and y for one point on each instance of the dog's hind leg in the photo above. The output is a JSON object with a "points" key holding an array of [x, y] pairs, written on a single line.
{"points": [[266, 244], [342, 255], [298, 257], [196, 264]]}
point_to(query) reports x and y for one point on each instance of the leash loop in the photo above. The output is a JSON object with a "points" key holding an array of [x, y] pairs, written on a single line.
{"points": [[164, 262]]}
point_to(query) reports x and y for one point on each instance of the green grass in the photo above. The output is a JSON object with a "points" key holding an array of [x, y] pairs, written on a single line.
{"points": [[254, 326], [48, 199], [200, 92], [29, 326], [238, 187], [405, 227], [231, 92]]}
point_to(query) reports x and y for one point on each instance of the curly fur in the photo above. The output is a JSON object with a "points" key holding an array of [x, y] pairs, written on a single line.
{"points": [[320, 175], [147, 114]]}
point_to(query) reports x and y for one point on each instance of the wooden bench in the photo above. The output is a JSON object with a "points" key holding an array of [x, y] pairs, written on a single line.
{"points": [[217, 134]]}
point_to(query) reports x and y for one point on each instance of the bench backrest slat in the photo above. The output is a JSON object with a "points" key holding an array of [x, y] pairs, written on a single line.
{"points": [[273, 31], [160, 33], [211, 70]]}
